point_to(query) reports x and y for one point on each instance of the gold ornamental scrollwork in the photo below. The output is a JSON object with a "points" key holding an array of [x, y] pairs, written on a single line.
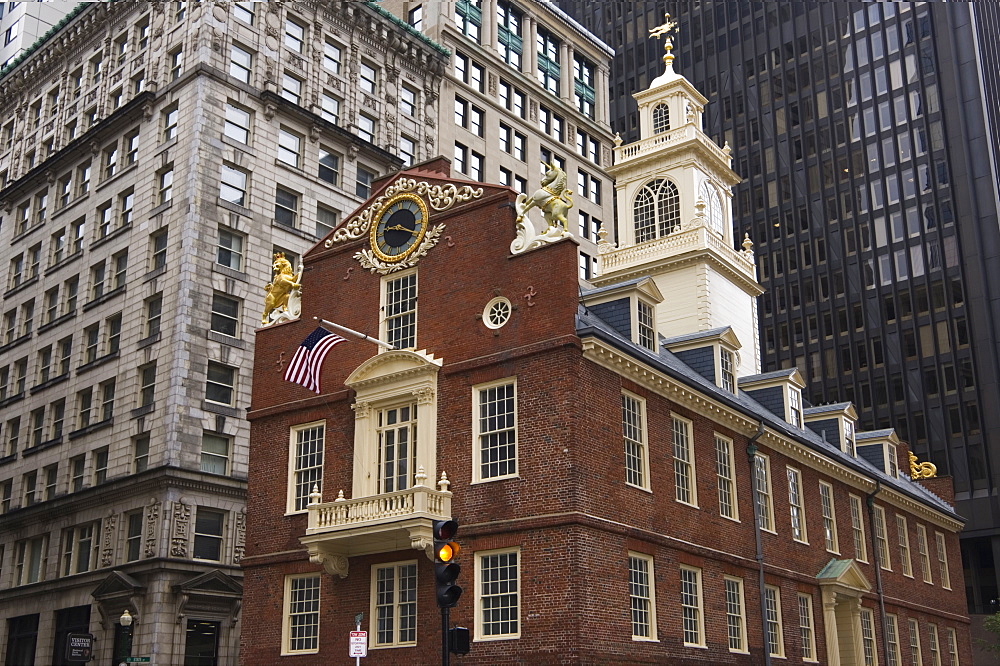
{"points": [[922, 470], [439, 197]]}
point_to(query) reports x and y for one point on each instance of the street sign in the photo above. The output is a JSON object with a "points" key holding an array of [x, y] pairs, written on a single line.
{"points": [[136, 660], [359, 644], [79, 648]]}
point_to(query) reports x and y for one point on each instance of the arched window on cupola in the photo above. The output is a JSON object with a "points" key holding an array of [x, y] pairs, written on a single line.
{"points": [[657, 210], [661, 118], [713, 207]]}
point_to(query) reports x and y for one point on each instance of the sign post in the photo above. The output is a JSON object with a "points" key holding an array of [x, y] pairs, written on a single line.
{"points": [[359, 641]]}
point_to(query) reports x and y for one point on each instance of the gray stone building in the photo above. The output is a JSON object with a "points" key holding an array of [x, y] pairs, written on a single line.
{"points": [[23, 23], [527, 83], [153, 157]]}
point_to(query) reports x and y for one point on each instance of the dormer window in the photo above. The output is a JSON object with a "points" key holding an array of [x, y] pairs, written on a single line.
{"points": [[727, 377], [795, 406], [849, 444], [645, 331], [661, 118], [657, 210], [893, 462]]}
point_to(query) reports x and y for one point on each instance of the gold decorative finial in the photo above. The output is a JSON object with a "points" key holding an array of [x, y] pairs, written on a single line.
{"points": [[664, 31], [924, 470]]}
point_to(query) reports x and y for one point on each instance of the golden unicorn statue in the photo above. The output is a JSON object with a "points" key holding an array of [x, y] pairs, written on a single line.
{"points": [[552, 199], [280, 287]]}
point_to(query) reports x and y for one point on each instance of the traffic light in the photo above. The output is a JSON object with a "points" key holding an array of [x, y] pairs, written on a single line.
{"points": [[445, 569]]}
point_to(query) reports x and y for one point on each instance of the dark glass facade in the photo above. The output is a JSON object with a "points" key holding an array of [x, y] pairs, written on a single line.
{"points": [[870, 192]]}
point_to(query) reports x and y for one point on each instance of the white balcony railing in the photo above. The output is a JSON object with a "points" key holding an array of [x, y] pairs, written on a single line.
{"points": [[341, 514]]}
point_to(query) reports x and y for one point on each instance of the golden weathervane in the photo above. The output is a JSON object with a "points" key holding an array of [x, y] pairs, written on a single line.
{"points": [[664, 31]]}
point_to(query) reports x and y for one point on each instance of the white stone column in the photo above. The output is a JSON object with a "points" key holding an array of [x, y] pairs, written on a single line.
{"points": [[566, 72], [601, 95], [529, 57]]}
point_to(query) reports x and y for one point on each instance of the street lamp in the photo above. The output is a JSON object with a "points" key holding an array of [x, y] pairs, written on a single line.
{"points": [[126, 644]]}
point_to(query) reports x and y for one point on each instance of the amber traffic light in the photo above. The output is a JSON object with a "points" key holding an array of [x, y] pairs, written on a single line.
{"points": [[446, 571]]}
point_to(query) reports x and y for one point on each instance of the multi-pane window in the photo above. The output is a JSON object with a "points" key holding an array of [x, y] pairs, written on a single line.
{"points": [[133, 536], [657, 210], [154, 310], [496, 430], [469, 72], [214, 454], [140, 454], [30, 560], [165, 185], [510, 42], [225, 315], [829, 517], [289, 147], [725, 473], [329, 165], [934, 645], [795, 407], [301, 616], [407, 150], [107, 409], [147, 384], [397, 441], [587, 146], [583, 85], [291, 88], [176, 63], [762, 492], [684, 475], [170, 117], [330, 108], [295, 34], [363, 180], [641, 596], [286, 207], [80, 546], [367, 78], [882, 539], [113, 333], [551, 124], [233, 185], [244, 11], [331, 57], [208, 530], [893, 655], [858, 529], [326, 220], [408, 100], [498, 602], [469, 18], [796, 505], [904, 545], [415, 17], [394, 597], [126, 205], [634, 435], [736, 621], [230, 252], [366, 127], [772, 616], [942, 556], [588, 186], [305, 464], [240, 63], [469, 116], [512, 99], [916, 658], [399, 312], [952, 646], [806, 633], [868, 637], [548, 60], [220, 383], [645, 333], [237, 123], [924, 553], [691, 606], [727, 362]]}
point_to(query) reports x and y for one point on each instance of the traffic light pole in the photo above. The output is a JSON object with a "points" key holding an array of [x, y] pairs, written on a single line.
{"points": [[445, 652]]}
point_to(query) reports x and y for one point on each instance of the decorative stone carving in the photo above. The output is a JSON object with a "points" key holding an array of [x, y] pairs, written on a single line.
{"points": [[335, 565], [424, 396], [152, 518], [180, 533], [368, 259], [554, 201], [239, 548], [921, 470], [108, 542], [362, 410]]}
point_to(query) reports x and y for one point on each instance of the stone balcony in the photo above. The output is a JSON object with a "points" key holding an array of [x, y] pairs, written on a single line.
{"points": [[675, 245], [681, 136], [346, 528]]}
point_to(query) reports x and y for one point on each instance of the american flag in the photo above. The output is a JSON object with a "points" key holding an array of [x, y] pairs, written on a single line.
{"points": [[305, 366]]}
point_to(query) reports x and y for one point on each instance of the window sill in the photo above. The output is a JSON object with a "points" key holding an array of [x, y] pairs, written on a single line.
{"points": [[162, 208], [122, 172], [12, 399], [142, 411], [214, 408], [8, 459], [15, 342], [118, 231], [230, 272], [166, 145], [93, 427], [58, 320], [21, 287], [235, 207], [145, 342], [30, 451], [89, 305], [51, 382], [239, 145], [156, 272], [64, 261], [292, 230], [27, 232], [226, 340], [96, 362], [508, 477]]}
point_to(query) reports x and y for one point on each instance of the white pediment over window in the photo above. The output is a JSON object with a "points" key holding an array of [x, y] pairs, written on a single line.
{"points": [[393, 367]]}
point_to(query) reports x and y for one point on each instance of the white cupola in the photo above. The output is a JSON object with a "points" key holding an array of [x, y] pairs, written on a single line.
{"points": [[675, 218]]}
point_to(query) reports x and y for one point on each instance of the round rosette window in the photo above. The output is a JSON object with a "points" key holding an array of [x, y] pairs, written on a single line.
{"points": [[497, 312]]}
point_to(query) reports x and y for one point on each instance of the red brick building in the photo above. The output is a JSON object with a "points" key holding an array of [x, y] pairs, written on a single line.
{"points": [[630, 488]]}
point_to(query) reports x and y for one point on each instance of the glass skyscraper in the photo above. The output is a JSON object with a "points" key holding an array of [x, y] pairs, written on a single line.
{"points": [[862, 133]]}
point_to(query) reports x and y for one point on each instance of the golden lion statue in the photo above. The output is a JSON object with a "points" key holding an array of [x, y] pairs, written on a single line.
{"points": [[280, 287]]}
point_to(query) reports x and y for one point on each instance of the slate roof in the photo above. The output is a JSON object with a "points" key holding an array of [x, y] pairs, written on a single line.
{"points": [[587, 293], [764, 376], [698, 335], [873, 434], [829, 407], [589, 325]]}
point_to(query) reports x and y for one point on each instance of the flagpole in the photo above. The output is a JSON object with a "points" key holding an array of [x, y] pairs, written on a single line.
{"points": [[356, 334]]}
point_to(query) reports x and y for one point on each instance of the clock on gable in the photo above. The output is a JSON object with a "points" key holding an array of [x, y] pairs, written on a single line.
{"points": [[399, 227]]}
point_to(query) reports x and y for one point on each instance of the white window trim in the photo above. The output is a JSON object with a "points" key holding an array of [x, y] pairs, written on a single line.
{"points": [[693, 476], [653, 636], [644, 433], [373, 607], [293, 432], [781, 629], [732, 471], [882, 542], [791, 471], [285, 616], [478, 632], [855, 502], [934, 643], [914, 627], [944, 571], [833, 518], [701, 608], [867, 613], [383, 322], [924, 553], [903, 537], [892, 627], [634, 312], [743, 616], [477, 433], [769, 494], [812, 625]]}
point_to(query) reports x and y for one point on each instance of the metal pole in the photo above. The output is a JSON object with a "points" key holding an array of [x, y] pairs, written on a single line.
{"points": [[445, 654], [357, 660]]}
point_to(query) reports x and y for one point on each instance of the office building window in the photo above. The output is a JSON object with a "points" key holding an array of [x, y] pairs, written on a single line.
{"points": [[170, 116], [291, 88], [289, 147], [147, 384], [548, 60], [583, 85], [237, 123], [230, 252], [368, 78], [133, 536], [30, 560], [140, 454], [225, 315], [330, 108], [240, 63], [331, 57], [363, 182], [80, 547], [208, 531], [329, 165], [214, 454], [220, 384], [154, 309], [286, 206], [295, 34], [233, 185], [469, 18]]}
